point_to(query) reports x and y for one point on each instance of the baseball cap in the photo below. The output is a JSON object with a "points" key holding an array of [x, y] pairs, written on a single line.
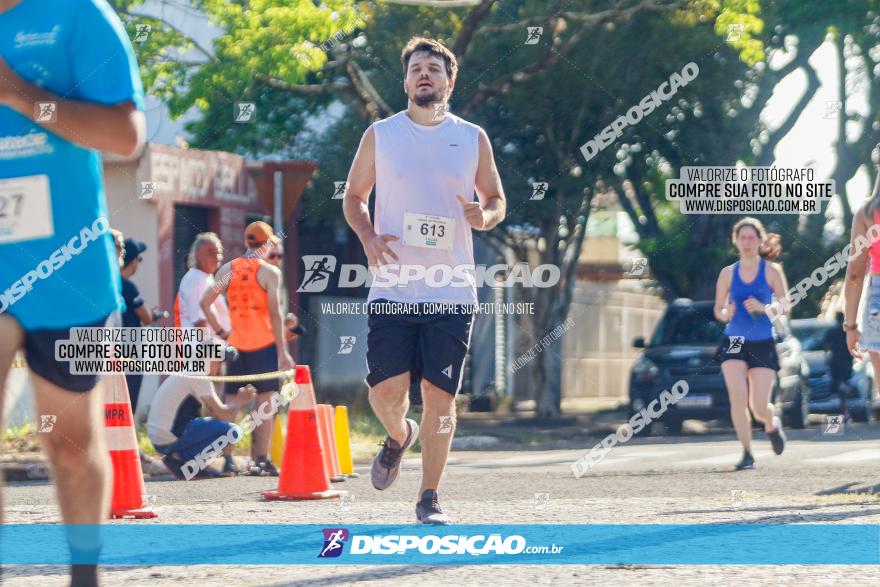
{"points": [[258, 233], [133, 249]]}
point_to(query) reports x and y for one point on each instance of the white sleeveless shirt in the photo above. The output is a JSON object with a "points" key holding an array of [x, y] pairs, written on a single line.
{"points": [[419, 171]]}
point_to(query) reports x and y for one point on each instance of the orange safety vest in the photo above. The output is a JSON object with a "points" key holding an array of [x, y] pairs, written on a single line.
{"points": [[248, 307]]}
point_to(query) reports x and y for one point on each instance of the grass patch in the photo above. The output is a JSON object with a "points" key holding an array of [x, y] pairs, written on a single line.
{"points": [[21, 438], [366, 433]]}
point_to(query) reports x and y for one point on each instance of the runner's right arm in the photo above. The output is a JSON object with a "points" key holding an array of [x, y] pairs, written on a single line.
{"points": [[211, 294], [356, 202], [120, 129], [723, 308]]}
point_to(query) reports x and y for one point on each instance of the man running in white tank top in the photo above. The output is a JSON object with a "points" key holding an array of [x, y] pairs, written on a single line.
{"points": [[426, 164]]}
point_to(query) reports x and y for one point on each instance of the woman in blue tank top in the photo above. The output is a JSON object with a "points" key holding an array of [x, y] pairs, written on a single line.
{"points": [[743, 293]]}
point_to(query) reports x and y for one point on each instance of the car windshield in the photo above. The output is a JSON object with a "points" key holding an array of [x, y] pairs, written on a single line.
{"points": [[688, 325], [810, 335]]}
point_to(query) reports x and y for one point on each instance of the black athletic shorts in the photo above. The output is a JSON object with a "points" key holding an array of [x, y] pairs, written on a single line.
{"points": [[264, 360], [429, 345], [39, 352], [756, 353]]}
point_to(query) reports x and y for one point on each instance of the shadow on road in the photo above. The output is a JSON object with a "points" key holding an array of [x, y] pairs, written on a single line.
{"points": [[580, 430], [851, 489], [366, 575], [775, 519]]}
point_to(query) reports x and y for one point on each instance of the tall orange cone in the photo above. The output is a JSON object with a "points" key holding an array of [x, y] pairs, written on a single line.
{"points": [[128, 480], [343, 441], [303, 475], [325, 426]]}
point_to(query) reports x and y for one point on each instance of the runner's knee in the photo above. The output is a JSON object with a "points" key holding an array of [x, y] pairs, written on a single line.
{"points": [[436, 399], [70, 449]]}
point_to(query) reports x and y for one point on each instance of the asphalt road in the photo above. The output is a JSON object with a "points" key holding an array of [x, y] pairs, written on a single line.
{"points": [[820, 479]]}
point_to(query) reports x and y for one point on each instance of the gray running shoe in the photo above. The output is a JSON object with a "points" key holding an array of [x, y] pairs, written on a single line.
{"points": [[386, 465], [777, 436], [428, 510]]}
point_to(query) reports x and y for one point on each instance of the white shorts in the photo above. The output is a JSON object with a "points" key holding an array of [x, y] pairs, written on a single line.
{"points": [[870, 338]]}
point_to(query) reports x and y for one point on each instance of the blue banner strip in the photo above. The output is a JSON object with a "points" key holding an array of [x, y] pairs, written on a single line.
{"points": [[279, 544]]}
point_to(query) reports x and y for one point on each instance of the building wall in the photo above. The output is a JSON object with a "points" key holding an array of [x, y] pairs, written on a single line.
{"points": [[597, 351], [136, 218]]}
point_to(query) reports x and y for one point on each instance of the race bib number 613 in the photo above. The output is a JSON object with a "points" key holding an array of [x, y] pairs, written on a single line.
{"points": [[428, 231]]}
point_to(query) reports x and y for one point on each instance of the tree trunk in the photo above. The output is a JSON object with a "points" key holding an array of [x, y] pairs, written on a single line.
{"points": [[548, 374]]}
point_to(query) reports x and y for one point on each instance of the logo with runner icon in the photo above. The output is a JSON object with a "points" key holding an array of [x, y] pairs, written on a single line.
{"points": [[735, 344], [334, 540], [346, 345], [833, 425], [319, 268]]}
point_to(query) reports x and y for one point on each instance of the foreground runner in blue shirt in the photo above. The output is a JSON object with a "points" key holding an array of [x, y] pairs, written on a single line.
{"points": [[69, 89]]}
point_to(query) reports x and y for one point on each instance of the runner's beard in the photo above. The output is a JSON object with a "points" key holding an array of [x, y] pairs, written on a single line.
{"points": [[423, 100]]}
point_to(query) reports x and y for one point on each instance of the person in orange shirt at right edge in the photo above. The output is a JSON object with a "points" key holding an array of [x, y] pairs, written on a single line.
{"points": [[253, 293]]}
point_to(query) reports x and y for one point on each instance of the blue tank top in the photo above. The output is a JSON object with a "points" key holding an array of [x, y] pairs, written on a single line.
{"points": [[752, 327]]}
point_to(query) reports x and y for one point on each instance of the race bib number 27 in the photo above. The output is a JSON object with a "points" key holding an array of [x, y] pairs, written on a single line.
{"points": [[25, 209], [427, 231]]}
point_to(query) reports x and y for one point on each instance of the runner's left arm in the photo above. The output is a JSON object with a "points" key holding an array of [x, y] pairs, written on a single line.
{"points": [[779, 285], [490, 192]]}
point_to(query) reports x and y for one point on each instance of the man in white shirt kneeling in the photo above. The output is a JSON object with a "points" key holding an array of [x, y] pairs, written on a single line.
{"points": [[179, 431]]}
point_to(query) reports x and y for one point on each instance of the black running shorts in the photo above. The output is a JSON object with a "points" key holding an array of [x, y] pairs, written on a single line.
{"points": [[412, 337], [264, 360], [39, 352], [756, 353]]}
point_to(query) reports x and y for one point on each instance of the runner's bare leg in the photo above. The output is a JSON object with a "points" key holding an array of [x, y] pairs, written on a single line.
{"points": [[11, 339], [438, 414]]}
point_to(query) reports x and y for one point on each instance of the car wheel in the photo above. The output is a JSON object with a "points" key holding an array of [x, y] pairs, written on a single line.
{"points": [[861, 415], [646, 430], [672, 427]]}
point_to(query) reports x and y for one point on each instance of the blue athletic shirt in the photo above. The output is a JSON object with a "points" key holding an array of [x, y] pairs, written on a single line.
{"points": [[752, 327], [63, 273]]}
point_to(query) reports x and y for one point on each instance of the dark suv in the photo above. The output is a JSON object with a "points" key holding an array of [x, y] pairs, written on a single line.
{"points": [[683, 346]]}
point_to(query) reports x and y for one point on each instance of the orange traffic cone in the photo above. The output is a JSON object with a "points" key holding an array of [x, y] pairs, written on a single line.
{"points": [[327, 411], [325, 427], [128, 480], [303, 473]]}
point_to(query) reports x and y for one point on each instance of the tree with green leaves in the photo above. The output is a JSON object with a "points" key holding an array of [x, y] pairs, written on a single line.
{"points": [[319, 74]]}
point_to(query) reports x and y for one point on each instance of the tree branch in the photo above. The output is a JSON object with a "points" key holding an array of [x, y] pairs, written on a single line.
{"points": [[767, 150], [589, 19], [304, 89], [469, 27], [373, 101]]}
